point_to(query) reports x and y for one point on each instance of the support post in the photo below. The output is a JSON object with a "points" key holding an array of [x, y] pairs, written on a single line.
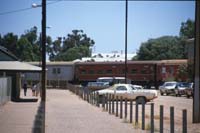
{"points": [[196, 103]]}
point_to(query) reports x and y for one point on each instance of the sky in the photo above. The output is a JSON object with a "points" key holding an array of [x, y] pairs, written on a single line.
{"points": [[102, 21]]}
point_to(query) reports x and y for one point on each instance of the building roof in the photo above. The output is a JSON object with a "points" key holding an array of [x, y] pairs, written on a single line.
{"points": [[181, 61], [18, 66], [8, 54], [53, 63]]}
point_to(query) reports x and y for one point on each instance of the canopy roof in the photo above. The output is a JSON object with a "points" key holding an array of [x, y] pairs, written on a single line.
{"points": [[18, 66]]}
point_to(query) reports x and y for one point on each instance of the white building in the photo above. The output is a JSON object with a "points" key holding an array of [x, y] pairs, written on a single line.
{"points": [[107, 57]]}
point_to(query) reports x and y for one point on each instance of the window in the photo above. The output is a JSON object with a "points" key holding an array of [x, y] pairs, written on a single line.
{"points": [[133, 71], [100, 71], [121, 88], [91, 71], [171, 70], [163, 70], [58, 71], [54, 70], [83, 71], [143, 71], [109, 71]]}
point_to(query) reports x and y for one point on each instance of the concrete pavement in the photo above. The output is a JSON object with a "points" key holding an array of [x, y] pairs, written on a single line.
{"points": [[65, 113]]}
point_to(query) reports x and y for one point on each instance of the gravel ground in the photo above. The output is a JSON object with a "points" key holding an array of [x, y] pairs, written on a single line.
{"points": [[65, 112]]}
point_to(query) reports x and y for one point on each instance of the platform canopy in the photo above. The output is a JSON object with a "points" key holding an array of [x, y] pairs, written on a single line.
{"points": [[18, 66]]}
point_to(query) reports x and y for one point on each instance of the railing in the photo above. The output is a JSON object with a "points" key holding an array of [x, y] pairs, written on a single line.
{"points": [[124, 108]]}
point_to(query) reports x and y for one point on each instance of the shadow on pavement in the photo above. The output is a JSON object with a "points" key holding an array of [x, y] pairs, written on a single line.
{"points": [[39, 122], [26, 100]]}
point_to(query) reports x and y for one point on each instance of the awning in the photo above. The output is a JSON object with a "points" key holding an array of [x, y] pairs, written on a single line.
{"points": [[18, 66]]}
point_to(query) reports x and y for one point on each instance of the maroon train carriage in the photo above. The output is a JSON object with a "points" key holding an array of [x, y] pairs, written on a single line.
{"points": [[140, 72]]}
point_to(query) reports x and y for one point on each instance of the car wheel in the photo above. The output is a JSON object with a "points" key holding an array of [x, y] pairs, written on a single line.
{"points": [[188, 96], [161, 94], [141, 100]]}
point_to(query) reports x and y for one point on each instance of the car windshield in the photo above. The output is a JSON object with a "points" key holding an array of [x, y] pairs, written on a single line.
{"points": [[184, 84], [170, 84], [135, 87]]}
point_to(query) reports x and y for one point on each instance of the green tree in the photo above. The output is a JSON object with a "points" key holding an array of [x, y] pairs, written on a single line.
{"points": [[74, 46], [166, 47], [9, 41], [187, 29]]}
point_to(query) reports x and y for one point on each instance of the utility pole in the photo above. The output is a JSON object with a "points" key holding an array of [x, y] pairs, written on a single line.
{"points": [[196, 99], [126, 25], [43, 62]]}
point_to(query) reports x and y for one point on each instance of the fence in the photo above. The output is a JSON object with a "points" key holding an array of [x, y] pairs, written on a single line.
{"points": [[132, 112], [5, 89]]}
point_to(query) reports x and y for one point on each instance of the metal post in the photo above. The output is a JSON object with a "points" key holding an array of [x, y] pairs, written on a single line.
{"points": [[109, 101], [131, 110], [184, 121], [117, 106], [161, 118], [143, 116], [113, 105], [125, 111], [136, 113], [126, 25], [152, 117], [121, 106], [196, 99], [44, 61], [171, 119]]}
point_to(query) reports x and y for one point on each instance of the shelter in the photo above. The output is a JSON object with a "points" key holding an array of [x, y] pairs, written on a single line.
{"points": [[10, 66]]}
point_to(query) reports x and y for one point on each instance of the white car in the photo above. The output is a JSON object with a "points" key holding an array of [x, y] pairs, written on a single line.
{"points": [[130, 91]]}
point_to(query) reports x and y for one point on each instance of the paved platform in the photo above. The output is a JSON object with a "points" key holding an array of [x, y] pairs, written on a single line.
{"points": [[65, 113], [18, 117]]}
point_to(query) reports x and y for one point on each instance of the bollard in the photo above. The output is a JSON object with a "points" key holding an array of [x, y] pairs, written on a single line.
{"points": [[131, 110], [113, 105], [106, 102], [143, 116], [103, 102], [136, 113], [109, 102], [171, 119], [97, 99], [125, 111], [184, 121], [117, 106], [161, 118], [152, 117], [121, 106]]}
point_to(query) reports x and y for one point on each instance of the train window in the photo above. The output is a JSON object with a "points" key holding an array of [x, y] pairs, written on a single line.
{"points": [[163, 70], [83, 71], [133, 71], [171, 70], [91, 71], [143, 71], [109, 71], [100, 71]]}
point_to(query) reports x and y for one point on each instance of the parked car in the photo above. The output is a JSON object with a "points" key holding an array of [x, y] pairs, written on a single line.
{"points": [[93, 86], [180, 88], [168, 88], [130, 91], [189, 91]]}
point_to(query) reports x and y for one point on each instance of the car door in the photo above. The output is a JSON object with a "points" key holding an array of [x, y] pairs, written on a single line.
{"points": [[121, 91]]}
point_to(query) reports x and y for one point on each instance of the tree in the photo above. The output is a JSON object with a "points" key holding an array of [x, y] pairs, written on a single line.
{"points": [[75, 46], [187, 29], [9, 41], [166, 47]]}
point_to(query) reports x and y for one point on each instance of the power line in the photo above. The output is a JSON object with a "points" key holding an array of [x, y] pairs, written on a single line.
{"points": [[25, 9]]}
